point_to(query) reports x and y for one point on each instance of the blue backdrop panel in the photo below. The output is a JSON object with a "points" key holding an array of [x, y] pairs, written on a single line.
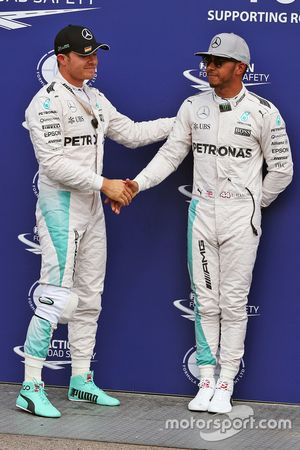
{"points": [[146, 334]]}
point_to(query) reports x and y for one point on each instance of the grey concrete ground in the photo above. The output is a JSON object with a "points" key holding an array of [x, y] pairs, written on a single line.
{"points": [[144, 421], [14, 442]]}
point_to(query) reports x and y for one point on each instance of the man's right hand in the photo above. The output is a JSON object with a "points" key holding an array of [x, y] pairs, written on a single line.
{"points": [[118, 191], [117, 206]]}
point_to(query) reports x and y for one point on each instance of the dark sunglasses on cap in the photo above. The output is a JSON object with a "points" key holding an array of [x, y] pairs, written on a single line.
{"points": [[218, 61]]}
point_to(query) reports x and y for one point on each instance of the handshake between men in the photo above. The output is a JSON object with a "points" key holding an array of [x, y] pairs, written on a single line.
{"points": [[119, 193]]}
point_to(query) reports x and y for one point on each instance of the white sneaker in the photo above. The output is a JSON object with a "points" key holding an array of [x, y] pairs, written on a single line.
{"points": [[205, 393], [221, 401]]}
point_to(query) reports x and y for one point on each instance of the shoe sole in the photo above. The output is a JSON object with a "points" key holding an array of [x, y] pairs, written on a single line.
{"points": [[197, 410], [24, 409], [38, 415], [219, 412], [87, 401]]}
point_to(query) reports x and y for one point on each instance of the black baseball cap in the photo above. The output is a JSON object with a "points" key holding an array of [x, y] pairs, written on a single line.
{"points": [[78, 39]]}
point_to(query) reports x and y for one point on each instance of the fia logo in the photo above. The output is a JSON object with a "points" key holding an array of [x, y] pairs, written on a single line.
{"points": [[32, 241], [191, 370], [47, 69]]}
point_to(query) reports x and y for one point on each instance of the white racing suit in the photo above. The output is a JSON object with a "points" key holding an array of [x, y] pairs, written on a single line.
{"points": [[70, 220], [229, 139]]}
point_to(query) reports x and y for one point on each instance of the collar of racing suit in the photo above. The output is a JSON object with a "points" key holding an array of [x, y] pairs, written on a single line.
{"points": [[228, 104], [83, 96], [61, 79], [81, 92]]}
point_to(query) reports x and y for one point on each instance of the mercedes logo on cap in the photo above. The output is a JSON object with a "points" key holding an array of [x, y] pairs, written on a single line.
{"points": [[216, 43], [86, 34]]}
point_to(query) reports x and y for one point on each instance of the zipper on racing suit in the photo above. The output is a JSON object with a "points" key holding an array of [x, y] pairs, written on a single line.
{"points": [[251, 220], [95, 123], [76, 240], [253, 212]]}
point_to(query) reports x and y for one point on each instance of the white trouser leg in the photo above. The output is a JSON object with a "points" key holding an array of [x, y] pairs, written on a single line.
{"points": [[203, 263], [238, 247], [62, 218], [88, 285]]}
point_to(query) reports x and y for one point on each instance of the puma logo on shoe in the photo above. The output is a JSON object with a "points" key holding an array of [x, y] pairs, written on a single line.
{"points": [[82, 395], [33, 398], [30, 405]]}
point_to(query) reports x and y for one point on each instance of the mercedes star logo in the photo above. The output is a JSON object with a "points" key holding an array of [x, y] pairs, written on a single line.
{"points": [[216, 43], [87, 34], [203, 112]]}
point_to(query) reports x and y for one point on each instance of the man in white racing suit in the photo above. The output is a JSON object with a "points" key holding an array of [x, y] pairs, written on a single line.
{"points": [[68, 122], [231, 132]]}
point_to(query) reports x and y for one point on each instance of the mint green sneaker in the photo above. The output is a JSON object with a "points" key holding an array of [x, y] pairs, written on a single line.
{"points": [[83, 389], [33, 398]]}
